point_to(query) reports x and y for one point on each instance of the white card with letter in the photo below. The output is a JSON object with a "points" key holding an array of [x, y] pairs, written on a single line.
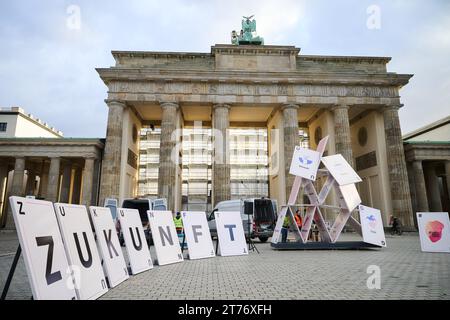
{"points": [[108, 243], [230, 232], [135, 241], [42, 249], [197, 234], [165, 237], [81, 250]]}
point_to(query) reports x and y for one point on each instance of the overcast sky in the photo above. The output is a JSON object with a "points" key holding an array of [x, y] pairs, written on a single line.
{"points": [[47, 59]]}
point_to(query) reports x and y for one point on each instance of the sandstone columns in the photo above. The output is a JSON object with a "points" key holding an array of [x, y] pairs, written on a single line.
{"points": [[291, 140], [3, 183], [65, 185], [447, 175], [77, 178], [421, 190], [398, 177], [88, 180], [17, 189], [434, 195], [53, 179], [167, 154], [110, 179], [342, 133], [43, 184], [221, 157]]}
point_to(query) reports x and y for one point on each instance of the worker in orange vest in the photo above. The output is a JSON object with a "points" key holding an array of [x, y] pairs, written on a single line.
{"points": [[298, 219]]}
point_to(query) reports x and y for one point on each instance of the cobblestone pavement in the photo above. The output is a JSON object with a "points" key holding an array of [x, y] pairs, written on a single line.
{"points": [[406, 273]]}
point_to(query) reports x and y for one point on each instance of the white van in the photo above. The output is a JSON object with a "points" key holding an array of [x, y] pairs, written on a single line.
{"points": [[265, 211]]}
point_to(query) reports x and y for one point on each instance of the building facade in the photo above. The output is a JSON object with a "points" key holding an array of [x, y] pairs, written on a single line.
{"points": [[199, 128], [35, 160], [427, 152]]}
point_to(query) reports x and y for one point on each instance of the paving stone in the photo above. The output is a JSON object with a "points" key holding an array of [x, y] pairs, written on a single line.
{"points": [[406, 273]]}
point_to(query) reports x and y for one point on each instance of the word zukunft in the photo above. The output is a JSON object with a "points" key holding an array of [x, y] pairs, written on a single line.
{"points": [[68, 257]]}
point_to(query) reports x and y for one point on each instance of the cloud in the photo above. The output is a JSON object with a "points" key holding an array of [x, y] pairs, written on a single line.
{"points": [[49, 70]]}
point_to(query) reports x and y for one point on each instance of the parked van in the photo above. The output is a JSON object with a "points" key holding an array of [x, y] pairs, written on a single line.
{"points": [[143, 205], [258, 215]]}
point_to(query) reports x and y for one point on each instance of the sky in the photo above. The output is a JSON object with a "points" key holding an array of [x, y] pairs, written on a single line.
{"points": [[49, 49]]}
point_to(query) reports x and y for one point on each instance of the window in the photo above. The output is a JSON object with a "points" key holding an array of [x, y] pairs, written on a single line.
{"points": [[3, 126]]}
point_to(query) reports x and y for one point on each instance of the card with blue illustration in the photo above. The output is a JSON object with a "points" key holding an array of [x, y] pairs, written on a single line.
{"points": [[305, 163]]}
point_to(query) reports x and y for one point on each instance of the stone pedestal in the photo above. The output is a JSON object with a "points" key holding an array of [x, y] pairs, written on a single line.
{"points": [[17, 189], [291, 140], [342, 133], [110, 179], [421, 190], [398, 176], [167, 154], [221, 182], [53, 180], [88, 179]]}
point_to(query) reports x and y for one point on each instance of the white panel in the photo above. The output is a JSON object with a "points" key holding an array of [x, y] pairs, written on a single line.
{"points": [[230, 233], [349, 196], [305, 163], [109, 245], [434, 231], [340, 169], [165, 237], [197, 233], [135, 242], [42, 248], [81, 250], [372, 226]]}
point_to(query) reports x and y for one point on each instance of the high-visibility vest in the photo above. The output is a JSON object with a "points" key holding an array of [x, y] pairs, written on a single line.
{"points": [[286, 222], [298, 220], [178, 222]]}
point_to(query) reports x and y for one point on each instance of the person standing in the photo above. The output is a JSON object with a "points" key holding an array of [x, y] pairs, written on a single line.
{"points": [[178, 223], [298, 219], [284, 229]]}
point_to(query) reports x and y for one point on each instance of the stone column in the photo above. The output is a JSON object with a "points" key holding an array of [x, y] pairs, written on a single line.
{"points": [[421, 190], [291, 140], [342, 133], [398, 176], [31, 183], [434, 195], [43, 184], [110, 180], [76, 186], [53, 180], [221, 183], [88, 180], [447, 176], [17, 189], [167, 161], [65, 185], [3, 199]]}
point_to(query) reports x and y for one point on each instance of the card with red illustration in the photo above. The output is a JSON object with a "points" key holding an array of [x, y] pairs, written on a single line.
{"points": [[434, 231]]}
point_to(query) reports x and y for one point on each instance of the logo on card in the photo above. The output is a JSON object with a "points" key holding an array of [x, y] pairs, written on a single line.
{"points": [[305, 162], [372, 221]]}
